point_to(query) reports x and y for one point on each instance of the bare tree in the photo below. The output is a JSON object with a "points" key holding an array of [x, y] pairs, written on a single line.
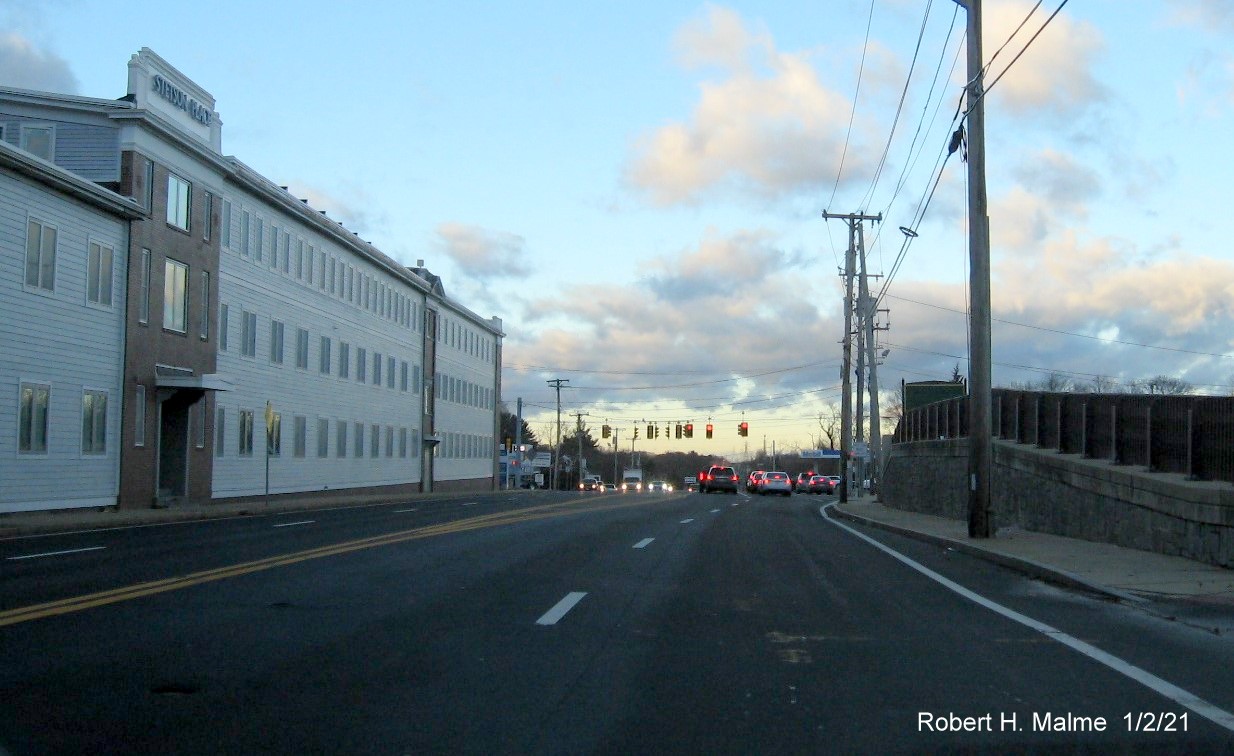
{"points": [[828, 423], [1057, 383], [1164, 384], [1102, 384]]}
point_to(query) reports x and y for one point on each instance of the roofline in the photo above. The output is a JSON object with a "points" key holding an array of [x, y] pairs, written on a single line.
{"points": [[70, 183]]}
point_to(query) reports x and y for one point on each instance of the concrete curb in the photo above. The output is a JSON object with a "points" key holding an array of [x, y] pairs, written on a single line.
{"points": [[1026, 566]]}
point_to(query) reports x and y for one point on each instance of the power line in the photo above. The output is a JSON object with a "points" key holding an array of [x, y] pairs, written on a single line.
{"points": [[1017, 57], [1069, 333], [853, 113], [895, 122]]}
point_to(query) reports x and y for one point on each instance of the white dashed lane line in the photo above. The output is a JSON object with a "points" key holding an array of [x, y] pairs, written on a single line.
{"points": [[644, 543], [290, 524], [559, 610], [55, 553], [688, 520], [413, 509]]}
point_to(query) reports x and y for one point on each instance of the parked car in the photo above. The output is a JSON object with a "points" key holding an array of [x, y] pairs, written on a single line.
{"points": [[819, 484], [802, 483], [775, 482], [718, 478]]}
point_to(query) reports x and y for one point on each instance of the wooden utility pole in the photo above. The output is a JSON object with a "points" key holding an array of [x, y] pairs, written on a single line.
{"points": [[556, 383], [854, 221], [980, 409]]}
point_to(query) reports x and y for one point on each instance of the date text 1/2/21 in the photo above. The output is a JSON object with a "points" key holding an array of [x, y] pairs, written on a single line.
{"points": [[1153, 721]]}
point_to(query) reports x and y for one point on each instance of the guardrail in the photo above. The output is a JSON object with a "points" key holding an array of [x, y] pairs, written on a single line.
{"points": [[1190, 435]]}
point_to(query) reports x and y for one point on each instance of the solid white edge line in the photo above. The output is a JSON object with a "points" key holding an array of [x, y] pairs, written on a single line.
{"points": [[644, 543], [1176, 694], [289, 524], [683, 522], [55, 553], [560, 608], [413, 509]]}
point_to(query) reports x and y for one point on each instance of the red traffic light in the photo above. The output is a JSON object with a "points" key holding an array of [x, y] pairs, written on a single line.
{"points": [[709, 429]]}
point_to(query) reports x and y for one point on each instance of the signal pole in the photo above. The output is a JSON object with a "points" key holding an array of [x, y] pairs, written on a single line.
{"points": [[556, 383], [980, 402], [854, 221]]}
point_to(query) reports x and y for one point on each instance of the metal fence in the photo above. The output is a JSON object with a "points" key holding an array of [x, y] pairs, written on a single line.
{"points": [[1190, 435]]}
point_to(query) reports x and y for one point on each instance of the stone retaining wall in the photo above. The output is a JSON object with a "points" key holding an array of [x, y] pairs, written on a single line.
{"points": [[1070, 496]]}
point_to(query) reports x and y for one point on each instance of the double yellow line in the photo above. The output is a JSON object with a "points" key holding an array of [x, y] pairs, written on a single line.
{"points": [[127, 593]]}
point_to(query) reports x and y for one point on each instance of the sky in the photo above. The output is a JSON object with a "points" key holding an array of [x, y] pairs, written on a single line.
{"points": [[637, 189]]}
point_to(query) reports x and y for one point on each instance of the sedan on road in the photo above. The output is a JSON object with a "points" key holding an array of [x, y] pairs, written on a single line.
{"points": [[819, 484], [775, 482], [719, 478]]}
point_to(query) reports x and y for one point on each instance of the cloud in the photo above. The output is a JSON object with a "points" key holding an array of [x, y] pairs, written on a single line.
{"points": [[769, 127], [1054, 78], [24, 66], [348, 207], [735, 305], [484, 254], [1203, 14]]}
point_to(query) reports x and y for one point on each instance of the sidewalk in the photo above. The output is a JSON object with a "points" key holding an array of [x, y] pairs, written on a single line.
{"points": [[1122, 573]]}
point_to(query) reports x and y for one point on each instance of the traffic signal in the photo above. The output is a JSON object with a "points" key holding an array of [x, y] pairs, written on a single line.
{"points": [[743, 429], [688, 431], [651, 431], [636, 433], [606, 431], [678, 430], [509, 444], [709, 429]]}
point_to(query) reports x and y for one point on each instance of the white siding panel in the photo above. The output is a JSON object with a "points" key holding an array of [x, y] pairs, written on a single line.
{"points": [[57, 339]]}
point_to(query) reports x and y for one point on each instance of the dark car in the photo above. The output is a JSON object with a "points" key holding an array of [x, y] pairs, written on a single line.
{"points": [[718, 479], [819, 484], [802, 483]]}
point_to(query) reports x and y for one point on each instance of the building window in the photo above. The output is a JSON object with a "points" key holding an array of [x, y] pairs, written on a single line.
{"points": [[274, 435], [209, 212], [244, 233], [258, 238], [301, 432], [248, 333], [175, 295], [299, 259], [223, 327], [246, 433], [323, 437], [40, 255], [143, 296], [227, 224], [402, 443], [220, 436], [340, 442], [276, 342], [325, 355], [402, 376], [375, 441], [302, 348], [312, 256], [32, 422], [376, 368], [344, 359], [39, 140], [149, 187], [390, 372], [98, 274], [178, 200], [139, 416], [274, 246], [205, 305], [361, 364], [389, 440], [359, 440], [93, 422]]}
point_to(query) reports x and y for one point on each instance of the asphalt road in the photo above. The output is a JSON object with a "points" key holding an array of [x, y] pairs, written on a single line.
{"points": [[555, 623]]}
